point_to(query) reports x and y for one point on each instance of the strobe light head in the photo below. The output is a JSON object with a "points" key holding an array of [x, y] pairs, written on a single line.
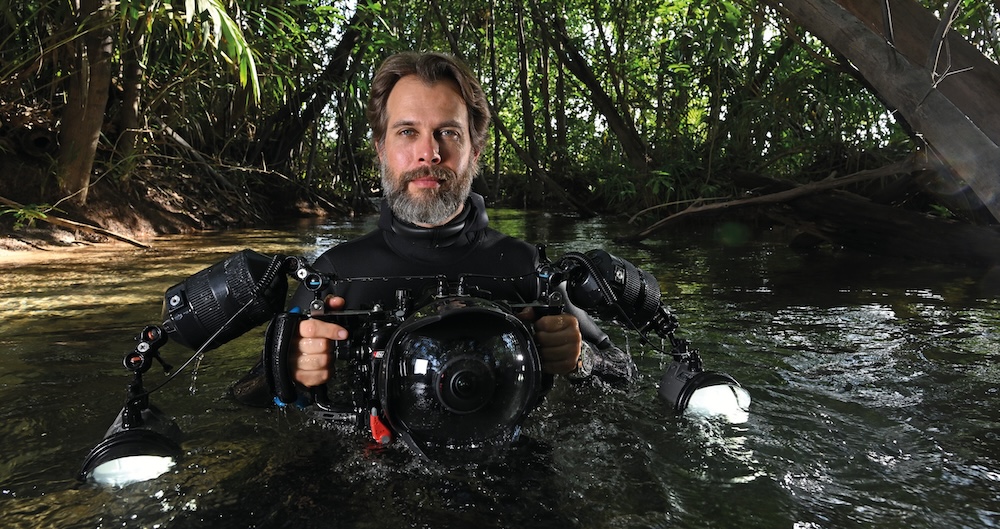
{"points": [[458, 378], [612, 288], [133, 450], [693, 392], [247, 288]]}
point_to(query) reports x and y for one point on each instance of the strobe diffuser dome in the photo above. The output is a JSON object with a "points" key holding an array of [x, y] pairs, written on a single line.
{"points": [[130, 453]]}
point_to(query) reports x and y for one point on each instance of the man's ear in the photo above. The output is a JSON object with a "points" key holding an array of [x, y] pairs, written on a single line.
{"points": [[378, 149]]}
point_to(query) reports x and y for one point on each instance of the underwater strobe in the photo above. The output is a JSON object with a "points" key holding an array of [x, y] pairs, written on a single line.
{"points": [[425, 368], [142, 442], [208, 309], [615, 289]]}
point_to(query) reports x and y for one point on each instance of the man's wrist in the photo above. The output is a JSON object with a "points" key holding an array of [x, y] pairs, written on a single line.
{"points": [[584, 363]]}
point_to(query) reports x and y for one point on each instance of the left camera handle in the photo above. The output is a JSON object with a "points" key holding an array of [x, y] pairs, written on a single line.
{"points": [[284, 328], [277, 340]]}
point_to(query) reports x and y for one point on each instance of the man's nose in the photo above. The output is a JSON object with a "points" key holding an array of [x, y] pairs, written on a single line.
{"points": [[429, 151]]}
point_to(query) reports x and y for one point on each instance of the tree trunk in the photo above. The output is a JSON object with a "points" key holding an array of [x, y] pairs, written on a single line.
{"points": [[562, 121], [911, 89], [286, 128], [130, 121], [972, 74], [613, 72], [633, 145], [494, 94], [527, 102], [545, 100], [676, 123], [86, 99]]}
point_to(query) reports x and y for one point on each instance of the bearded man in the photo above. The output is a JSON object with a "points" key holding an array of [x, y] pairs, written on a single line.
{"points": [[429, 118]]}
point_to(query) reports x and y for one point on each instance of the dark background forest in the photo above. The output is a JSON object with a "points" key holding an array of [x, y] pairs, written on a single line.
{"points": [[836, 118]]}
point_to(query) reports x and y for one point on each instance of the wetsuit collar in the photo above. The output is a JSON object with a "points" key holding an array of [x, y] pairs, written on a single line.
{"points": [[460, 230]]}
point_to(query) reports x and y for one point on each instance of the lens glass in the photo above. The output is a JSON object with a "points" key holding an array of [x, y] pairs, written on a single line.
{"points": [[465, 384]]}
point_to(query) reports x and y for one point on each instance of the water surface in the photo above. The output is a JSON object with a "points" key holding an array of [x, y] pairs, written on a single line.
{"points": [[874, 384]]}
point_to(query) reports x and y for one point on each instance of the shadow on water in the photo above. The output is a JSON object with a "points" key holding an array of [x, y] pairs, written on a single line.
{"points": [[874, 385]]}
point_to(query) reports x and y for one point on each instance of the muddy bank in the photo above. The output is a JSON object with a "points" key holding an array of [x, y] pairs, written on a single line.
{"points": [[149, 203]]}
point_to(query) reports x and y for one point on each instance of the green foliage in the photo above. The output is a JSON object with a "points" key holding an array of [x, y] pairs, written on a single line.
{"points": [[977, 21], [942, 211], [712, 88], [26, 216]]}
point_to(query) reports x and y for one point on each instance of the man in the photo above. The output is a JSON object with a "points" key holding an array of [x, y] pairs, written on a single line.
{"points": [[429, 118]]}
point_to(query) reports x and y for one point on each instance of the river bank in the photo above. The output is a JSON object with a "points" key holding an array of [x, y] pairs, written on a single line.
{"points": [[48, 244], [150, 203]]}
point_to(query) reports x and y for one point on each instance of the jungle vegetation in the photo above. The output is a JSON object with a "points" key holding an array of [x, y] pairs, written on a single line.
{"points": [[225, 112]]}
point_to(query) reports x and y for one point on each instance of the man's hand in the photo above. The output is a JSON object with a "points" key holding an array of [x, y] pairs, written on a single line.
{"points": [[559, 341], [310, 360]]}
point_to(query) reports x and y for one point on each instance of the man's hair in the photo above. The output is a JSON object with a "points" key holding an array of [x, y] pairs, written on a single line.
{"points": [[429, 67]]}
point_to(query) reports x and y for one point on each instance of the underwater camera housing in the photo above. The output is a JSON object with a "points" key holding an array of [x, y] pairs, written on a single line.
{"points": [[451, 373], [453, 379], [457, 378]]}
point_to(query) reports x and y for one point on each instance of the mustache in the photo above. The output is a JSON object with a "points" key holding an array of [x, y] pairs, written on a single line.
{"points": [[440, 173]]}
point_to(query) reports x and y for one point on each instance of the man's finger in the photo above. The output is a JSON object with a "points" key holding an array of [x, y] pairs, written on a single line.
{"points": [[313, 328]]}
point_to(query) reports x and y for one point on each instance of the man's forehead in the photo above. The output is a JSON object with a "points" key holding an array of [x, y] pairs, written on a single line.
{"points": [[413, 100]]}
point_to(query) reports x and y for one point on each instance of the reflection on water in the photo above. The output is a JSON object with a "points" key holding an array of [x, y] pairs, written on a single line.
{"points": [[874, 386]]}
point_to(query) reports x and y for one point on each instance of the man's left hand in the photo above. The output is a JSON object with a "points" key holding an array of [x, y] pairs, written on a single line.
{"points": [[559, 341]]}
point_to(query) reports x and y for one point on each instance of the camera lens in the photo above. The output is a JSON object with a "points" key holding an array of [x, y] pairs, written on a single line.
{"points": [[465, 385], [459, 375]]}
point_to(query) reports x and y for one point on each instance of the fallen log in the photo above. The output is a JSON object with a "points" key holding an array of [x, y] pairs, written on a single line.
{"points": [[820, 214], [902, 167], [66, 223]]}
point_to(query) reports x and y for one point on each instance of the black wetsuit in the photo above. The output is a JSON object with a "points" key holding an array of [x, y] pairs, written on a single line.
{"points": [[488, 262]]}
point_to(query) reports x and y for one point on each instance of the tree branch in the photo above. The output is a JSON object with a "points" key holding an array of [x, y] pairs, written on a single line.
{"points": [[906, 166]]}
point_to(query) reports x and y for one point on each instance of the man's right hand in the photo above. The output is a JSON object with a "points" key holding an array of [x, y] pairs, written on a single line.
{"points": [[311, 357]]}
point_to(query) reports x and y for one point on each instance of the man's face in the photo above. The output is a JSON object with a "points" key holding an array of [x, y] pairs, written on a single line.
{"points": [[427, 160]]}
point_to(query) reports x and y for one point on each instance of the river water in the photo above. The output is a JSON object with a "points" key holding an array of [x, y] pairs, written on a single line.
{"points": [[874, 385]]}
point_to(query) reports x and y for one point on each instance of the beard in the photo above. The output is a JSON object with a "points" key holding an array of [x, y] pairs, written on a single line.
{"points": [[427, 206]]}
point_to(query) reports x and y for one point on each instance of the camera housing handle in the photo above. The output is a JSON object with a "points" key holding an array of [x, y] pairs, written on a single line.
{"points": [[280, 333]]}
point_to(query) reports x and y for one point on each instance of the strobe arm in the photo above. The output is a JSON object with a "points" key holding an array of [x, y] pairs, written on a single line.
{"points": [[140, 359]]}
